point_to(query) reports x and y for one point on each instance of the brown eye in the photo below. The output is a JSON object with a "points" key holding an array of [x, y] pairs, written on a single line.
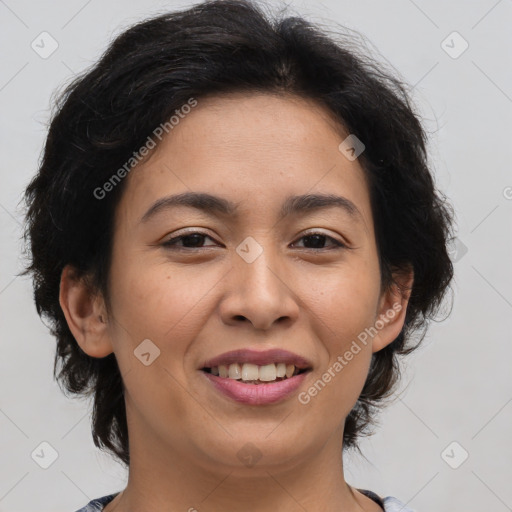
{"points": [[317, 241], [193, 240]]}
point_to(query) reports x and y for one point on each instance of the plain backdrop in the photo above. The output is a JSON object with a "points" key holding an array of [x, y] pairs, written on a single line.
{"points": [[444, 444]]}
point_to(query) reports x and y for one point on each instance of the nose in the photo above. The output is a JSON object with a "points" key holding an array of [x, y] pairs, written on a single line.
{"points": [[260, 292]]}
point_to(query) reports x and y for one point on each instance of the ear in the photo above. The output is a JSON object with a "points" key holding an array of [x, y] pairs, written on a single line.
{"points": [[392, 309], [85, 313]]}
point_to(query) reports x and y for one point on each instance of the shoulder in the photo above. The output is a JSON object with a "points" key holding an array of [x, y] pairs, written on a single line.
{"points": [[392, 504], [389, 503], [97, 504]]}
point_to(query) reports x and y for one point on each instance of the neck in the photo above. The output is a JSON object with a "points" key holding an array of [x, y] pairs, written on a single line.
{"points": [[167, 480]]}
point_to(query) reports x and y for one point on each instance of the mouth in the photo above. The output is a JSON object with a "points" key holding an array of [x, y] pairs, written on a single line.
{"points": [[257, 367], [253, 374]]}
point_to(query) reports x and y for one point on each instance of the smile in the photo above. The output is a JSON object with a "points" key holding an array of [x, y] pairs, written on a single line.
{"points": [[256, 377], [253, 374], [252, 392]]}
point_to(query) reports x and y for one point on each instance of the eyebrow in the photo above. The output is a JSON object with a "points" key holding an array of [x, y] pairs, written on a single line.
{"points": [[219, 206]]}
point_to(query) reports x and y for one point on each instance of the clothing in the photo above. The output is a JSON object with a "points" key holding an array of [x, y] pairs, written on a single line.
{"points": [[389, 504]]}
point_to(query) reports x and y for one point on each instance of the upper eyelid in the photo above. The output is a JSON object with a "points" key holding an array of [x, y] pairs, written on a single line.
{"points": [[310, 232]]}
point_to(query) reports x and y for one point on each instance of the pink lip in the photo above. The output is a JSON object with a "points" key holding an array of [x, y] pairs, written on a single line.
{"points": [[256, 394], [258, 357]]}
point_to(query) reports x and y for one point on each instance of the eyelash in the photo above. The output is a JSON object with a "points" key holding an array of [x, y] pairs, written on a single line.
{"points": [[171, 243]]}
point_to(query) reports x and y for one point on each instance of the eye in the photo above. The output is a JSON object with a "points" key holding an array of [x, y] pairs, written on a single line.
{"points": [[191, 240], [317, 239], [195, 240]]}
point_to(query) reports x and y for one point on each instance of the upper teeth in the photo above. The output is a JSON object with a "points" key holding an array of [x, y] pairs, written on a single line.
{"points": [[249, 371]]}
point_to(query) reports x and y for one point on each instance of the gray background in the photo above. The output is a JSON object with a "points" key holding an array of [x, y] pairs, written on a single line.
{"points": [[456, 388]]}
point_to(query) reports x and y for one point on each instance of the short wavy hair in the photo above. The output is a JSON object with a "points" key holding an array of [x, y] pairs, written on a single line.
{"points": [[219, 47]]}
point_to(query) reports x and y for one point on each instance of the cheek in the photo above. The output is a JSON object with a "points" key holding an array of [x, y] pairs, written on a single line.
{"points": [[151, 302], [342, 309], [343, 304], [345, 300], [168, 306]]}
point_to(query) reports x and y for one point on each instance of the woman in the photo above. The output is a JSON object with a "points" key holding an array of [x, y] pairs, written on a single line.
{"points": [[234, 232]]}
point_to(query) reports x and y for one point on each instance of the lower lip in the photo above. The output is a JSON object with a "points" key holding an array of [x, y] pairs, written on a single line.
{"points": [[256, 394]]}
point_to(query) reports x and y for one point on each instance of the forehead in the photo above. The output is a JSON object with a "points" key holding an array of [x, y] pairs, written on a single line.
{"points": [[257, 149]]}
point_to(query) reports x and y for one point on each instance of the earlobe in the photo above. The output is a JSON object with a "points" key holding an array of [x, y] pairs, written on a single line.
{"points": [[85, 314], [392, 310]]}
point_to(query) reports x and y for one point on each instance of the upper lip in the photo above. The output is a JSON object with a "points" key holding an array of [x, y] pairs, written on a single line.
{"points": [[258, 357]]}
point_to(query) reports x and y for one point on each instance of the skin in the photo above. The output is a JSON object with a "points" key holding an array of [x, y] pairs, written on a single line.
{"points": [[197, 303]]}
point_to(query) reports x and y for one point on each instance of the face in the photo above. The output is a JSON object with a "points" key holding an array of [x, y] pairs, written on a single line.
{"points": [[307, 282]]}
